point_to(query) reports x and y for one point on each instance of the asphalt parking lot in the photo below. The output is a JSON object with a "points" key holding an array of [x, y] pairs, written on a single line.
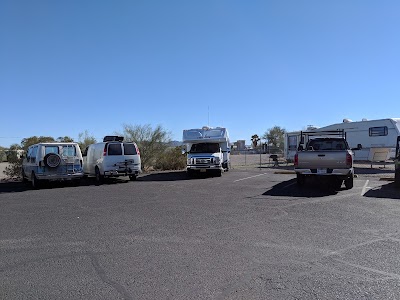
{"points": [[250, 234]]}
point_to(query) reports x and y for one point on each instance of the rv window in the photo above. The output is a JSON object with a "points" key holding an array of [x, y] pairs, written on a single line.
{"points": [[378, 131], [114, 149], [129, 149], [292, 143], [51, 149]]}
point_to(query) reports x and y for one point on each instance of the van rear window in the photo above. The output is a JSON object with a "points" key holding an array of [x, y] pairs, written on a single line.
{"points": [[130, 149], [51, 149], [114, 149]]}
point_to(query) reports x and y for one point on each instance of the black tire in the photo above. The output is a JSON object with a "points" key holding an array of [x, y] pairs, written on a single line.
{"points": [[349, 182], [99, 177], [24, 179], [397, 178], [52, 160], [337, 183], [132, 177], [300, 180], [36, 183]]}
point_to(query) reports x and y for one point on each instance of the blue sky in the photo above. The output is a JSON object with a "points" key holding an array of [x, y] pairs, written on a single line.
{"points": [[70, 66]]}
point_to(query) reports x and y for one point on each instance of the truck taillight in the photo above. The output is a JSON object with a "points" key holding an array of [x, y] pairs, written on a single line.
{"points": [[349, 160], [296, 160]]}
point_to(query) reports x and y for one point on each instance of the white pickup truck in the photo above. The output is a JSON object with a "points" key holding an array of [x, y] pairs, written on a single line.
{"points": [[326, 156]]}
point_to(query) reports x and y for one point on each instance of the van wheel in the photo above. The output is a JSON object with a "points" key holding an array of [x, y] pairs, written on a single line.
{"points": [[99, 177], [132, 177], [52, 160], [349, 182], [36, 183], [24, 179]]}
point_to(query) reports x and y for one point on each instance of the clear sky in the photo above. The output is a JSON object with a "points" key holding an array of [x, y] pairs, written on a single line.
{"points": [[70, 66]]}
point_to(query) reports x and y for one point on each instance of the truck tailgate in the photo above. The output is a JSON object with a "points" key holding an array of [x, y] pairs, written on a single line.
{"points": [[322, 159]]}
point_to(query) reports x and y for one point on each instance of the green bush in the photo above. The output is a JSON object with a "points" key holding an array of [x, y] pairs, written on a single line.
{"points": [[171, 159]]}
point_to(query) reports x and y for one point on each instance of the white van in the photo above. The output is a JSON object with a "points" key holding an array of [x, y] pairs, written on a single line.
{"points": [[52, 162], [112, 158]]}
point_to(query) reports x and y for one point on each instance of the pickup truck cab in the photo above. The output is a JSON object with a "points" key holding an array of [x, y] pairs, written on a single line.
{"points": [[326, 156]]}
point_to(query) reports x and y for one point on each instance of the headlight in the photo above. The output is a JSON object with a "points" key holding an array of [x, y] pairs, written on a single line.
{"points": [[216, 160], [189, 161]]}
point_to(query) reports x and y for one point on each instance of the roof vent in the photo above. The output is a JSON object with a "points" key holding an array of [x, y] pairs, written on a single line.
{"points": [[364, 119], [347, 121]]}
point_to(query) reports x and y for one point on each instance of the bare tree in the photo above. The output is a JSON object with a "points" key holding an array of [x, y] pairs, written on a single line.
{"points": [[151, 142], [275, 136]]}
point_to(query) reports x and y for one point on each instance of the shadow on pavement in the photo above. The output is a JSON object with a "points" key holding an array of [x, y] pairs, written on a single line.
{"points": [[312, 189], [18, 186], [172, 176], [385, 191], [373, 171]]}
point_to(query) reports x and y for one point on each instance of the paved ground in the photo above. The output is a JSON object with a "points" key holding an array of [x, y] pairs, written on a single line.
{"points": [[250, 234]]}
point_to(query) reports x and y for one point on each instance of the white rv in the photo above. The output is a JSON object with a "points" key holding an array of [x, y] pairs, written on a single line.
{"points": [[376, 136], [207, 150]]}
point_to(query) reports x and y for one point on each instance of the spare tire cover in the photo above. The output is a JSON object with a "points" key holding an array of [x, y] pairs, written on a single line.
{"points": [[52, 160]]}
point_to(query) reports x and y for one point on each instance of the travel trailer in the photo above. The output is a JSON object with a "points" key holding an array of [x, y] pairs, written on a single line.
{"points": [[207, 150], [378, 138]]}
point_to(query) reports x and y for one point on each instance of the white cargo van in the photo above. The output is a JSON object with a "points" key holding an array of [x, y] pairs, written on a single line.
{"points": [[112, 158], [52, 162]]}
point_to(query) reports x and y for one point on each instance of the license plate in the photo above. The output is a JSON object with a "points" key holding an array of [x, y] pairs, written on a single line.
{"points": [[203, 170], [321, 171]]}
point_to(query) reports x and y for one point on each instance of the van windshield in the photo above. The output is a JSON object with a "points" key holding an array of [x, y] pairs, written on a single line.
{"points": [[205, 148], [129, 149]]}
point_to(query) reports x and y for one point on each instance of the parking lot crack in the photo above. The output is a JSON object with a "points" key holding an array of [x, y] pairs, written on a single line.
{"points": [[103, 276]]}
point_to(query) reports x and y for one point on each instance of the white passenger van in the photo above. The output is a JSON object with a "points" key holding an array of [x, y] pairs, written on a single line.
{"points": [[112, 158], [52, 162]]}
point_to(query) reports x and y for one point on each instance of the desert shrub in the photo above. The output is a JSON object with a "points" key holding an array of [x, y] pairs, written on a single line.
{"points": [[171, 159], [152, 143]]}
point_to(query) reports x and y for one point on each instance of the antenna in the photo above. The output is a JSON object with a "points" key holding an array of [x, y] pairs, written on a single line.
{"points": [[208, 113]]}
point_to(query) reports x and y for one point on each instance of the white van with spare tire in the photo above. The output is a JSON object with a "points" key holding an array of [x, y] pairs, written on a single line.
{"points": [[112, 158], [52, 162]]}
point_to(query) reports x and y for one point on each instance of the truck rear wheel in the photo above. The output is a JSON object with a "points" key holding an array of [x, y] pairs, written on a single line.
{"points": [[349, 182]]}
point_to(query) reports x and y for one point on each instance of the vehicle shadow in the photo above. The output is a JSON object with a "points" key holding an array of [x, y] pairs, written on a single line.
{"points": [[19, 186], [385, 191], [172, 176], [312, 189], [366, 171]]}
